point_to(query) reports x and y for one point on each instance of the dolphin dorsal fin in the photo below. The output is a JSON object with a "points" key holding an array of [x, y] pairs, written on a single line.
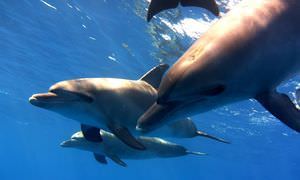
{"points": [[154, 76]]}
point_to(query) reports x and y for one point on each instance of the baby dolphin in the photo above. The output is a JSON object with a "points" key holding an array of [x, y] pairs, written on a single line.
{"points": [[157, 6], [114, 149], [246, 54], [113, 104]]}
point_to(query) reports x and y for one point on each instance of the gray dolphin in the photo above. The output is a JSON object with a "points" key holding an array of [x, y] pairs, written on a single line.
{"points": [[157, 6], [112, 104], [114, 149], [246, 54]]}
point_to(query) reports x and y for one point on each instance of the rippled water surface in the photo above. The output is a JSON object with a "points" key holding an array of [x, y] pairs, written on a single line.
{"points": [[45, 41]]}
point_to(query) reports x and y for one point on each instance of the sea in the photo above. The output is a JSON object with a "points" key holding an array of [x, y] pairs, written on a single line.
{"points": [[46, 41]]}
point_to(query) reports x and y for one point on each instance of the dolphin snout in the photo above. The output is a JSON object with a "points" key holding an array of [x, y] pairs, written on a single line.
{"points": [[68, 143], [43, 99], [33, 100]]}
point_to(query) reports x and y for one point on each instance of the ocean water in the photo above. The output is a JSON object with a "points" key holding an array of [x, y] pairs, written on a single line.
{"points": [[45, 41]]}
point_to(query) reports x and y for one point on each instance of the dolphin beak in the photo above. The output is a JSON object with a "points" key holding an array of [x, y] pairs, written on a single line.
{"points": [[153, 117], [43, 99], [68, 143]]}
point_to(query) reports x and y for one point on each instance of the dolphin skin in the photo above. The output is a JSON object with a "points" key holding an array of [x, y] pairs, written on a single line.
{"points": [[112, 104], [246, 54], [114, 149]]}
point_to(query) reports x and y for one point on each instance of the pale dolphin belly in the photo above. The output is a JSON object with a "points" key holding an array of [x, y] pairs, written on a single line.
{"points": [[155, 148]]}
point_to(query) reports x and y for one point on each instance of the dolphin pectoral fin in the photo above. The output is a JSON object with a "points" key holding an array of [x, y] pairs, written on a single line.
{"points": [[203, 134], [210, 5], [91, 133], [126, 137], [100, 158], [281, 107], [156, 6], [117, 160], [154, 76]]}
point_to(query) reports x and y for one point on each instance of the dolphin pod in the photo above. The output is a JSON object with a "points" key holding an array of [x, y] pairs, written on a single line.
{"points": [[246, 54], [115, 150], [113, 104]]}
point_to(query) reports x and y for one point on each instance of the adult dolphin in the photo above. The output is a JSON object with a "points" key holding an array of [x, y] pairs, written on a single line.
{"points": [[157, 6], [112, 104], [246, 54]]}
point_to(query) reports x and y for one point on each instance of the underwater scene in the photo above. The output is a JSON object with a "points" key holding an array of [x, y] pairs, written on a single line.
{"points": [[122, 89]]}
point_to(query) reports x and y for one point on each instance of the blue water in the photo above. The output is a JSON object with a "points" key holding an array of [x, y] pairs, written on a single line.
{"points": [[42, 42]]}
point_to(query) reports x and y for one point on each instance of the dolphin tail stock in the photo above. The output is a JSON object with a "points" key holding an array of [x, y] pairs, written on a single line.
{"points": [[203, 134], [281, 106], [196, 153], [126, 137], [156, 6]]}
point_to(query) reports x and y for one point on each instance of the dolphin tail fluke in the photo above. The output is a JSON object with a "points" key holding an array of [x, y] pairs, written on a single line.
{"points": [[281, 107], [157, 6], [126, 137], [196, 153], [203, 134], [210, 5]]}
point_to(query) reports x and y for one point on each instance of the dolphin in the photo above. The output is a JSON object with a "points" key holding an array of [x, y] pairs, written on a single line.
{"points": [[156, 6], [246, 54], [114, 149], [112, 104]]}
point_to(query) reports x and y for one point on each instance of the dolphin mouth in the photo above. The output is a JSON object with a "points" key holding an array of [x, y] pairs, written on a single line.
{"points": [[68, 143], [44, 99], [74, 140], [154, 117], [53, 98]]}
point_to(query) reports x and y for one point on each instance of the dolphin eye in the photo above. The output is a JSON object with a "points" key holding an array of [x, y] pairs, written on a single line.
{"points": [[80, 96], [57, 91], [84, 97], [53, 91]]}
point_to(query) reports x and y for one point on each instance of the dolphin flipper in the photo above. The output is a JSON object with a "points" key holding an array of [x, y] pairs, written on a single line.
{"points": [[100, 158], [281, 107], [91, 133], [154, 76], [126, 137], [157, 6], [117, 160]]}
